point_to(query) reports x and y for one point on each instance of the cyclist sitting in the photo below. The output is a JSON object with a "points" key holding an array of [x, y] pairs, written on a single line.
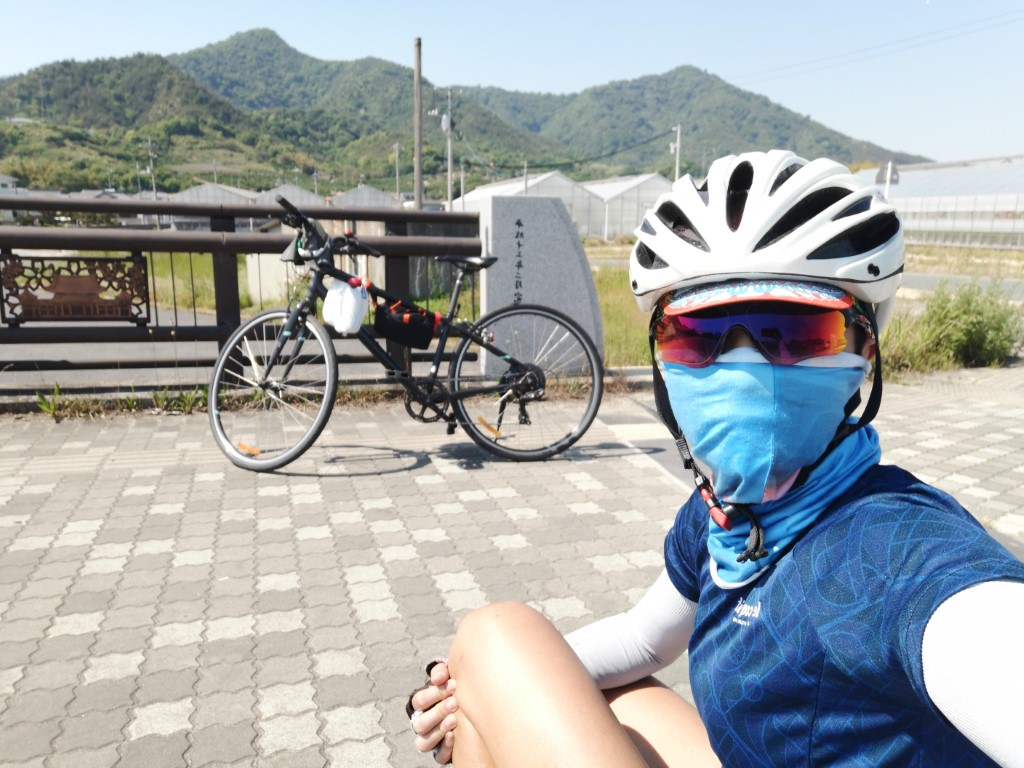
{"points": [[836, 610]]}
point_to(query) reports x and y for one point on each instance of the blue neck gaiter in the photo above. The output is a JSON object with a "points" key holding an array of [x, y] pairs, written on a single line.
{"points": [[751, 427]]}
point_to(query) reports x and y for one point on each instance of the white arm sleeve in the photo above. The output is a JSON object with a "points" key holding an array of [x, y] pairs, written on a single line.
{"points": [[972, 670], [624, 648]]}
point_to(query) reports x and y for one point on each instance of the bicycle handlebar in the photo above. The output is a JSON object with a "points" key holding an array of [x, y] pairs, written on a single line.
{"points": [[315, 239]]}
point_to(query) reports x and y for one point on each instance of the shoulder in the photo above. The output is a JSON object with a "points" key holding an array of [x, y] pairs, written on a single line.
{"points": [[891, 550], [890, 508], [685, 548], [906, 532]]}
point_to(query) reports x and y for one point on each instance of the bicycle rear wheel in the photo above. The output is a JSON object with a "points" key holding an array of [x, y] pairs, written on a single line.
{"points": [[265, 415], [551, 381]]}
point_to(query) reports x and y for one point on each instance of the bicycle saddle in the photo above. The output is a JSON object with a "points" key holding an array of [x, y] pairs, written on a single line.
{"points": [[468, 263]]}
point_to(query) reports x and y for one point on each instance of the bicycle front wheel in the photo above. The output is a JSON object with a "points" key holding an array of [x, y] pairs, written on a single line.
{"points": [[543, 378], [266, 412]]}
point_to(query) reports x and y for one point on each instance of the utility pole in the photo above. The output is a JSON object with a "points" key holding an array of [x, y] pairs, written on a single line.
{"points": [[152, 175], [152, 166], [674, 147], [398, 185], [417, 129], [447, 125]]}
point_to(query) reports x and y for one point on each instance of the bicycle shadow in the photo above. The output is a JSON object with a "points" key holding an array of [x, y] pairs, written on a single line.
{"points": [[361, 460], [341, 460], [469, 456]]}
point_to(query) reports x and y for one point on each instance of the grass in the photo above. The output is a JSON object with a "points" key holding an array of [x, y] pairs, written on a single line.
{"points": [[966, 262], [970, 327], [185, 280], [625, 326]]}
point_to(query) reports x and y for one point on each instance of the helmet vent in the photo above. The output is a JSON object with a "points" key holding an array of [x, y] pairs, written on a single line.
{"points": [[801, 213], [861, 206], [736, 196], [784, 174], [676, 220], [647, 258], [861, 238]]}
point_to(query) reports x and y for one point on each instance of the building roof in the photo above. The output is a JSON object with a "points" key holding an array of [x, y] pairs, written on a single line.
{"points": [[607, 189], [365, 196], [209, 192], [1000, 175], [512, 187], [294, 194]]}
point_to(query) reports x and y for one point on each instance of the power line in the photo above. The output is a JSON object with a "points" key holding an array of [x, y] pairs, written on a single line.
{"points": [[882, 49], [569, 163]]}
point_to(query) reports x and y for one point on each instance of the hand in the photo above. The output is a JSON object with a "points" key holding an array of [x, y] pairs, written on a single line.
{"points": [[435, 725]]}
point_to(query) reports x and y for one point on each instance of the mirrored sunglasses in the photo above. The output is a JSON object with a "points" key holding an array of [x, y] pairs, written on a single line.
{"points": [[784, 332]]}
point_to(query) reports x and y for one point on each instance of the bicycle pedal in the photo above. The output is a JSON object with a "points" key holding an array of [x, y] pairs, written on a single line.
{"points": [[399, 374], [451, 427]]}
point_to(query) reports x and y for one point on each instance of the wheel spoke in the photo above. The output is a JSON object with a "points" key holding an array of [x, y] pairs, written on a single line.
{"points": [[264, 422], [545, 346]]}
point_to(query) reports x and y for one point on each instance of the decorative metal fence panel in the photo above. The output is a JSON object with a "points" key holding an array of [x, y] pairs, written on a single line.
{"points": [[73, 289]]}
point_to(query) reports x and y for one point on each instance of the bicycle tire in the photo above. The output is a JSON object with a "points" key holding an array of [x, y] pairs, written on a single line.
{"points": [[263, 420], [535, 340]]}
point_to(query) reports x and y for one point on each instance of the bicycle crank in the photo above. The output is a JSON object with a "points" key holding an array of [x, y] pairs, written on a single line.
{"points": [[427, 407]]}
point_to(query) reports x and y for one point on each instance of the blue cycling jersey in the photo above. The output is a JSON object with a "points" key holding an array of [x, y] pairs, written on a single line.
{"points": [[818, 661]]}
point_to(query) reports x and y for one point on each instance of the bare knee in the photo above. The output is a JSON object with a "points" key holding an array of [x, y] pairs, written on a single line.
{"points": [[494, 634]]}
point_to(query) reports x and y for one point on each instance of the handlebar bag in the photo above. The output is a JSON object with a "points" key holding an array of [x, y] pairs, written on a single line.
{"points": [[412, 326], [346, 304]]}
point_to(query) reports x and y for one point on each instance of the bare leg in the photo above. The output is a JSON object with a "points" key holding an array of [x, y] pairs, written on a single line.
{"points": [[665, 727], [526, 700]]}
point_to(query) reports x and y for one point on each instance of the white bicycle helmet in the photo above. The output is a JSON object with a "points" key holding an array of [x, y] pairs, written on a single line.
{"points": [[770, 215]]}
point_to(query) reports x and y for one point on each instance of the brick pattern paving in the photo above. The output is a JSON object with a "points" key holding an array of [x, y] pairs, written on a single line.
{"points": [[159, 607]]}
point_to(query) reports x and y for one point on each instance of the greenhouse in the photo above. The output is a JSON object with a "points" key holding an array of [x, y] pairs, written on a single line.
{"points": [[975, 203]]}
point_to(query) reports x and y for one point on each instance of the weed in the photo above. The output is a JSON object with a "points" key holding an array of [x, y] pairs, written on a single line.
{"points": [[192, 400], [128, 403], [969, 327], [162, 399], [52, 405]]}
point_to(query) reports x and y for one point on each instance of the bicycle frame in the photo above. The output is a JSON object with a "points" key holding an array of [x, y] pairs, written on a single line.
{"points": [[419, 388], [275, 382]]}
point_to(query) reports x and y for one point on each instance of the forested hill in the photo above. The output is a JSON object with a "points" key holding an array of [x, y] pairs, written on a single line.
{"points": [[106, 93], [716, 118], [257, 111]]}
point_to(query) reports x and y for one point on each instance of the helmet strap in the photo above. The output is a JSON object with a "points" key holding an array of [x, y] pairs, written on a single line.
{"points": [[722, 515]]}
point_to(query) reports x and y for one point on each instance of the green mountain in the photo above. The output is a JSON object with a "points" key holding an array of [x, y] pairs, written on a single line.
{"points": [[257, 71], [254, 112], [631, 117]]}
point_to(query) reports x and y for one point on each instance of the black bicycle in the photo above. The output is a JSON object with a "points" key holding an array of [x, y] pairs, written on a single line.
{"points": [[524, 382]]}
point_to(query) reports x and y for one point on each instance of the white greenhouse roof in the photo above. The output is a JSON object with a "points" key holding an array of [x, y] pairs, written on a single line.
{"points": [[511, 187], [1001, 175], [608, 189]]}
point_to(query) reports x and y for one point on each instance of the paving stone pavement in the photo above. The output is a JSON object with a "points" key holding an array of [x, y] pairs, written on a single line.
{"points": [[159, 607]]}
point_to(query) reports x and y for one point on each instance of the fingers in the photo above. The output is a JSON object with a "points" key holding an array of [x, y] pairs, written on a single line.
{"points": [[431, 725], [430, 695], [443, 752], [435, 720], [439, 674]]}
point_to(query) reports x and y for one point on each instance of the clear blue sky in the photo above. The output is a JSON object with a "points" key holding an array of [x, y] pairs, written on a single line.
{"points": [[940, 78]]}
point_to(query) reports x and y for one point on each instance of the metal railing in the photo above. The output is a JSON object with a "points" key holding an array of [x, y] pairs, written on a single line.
{"points": [[48, 339]]}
